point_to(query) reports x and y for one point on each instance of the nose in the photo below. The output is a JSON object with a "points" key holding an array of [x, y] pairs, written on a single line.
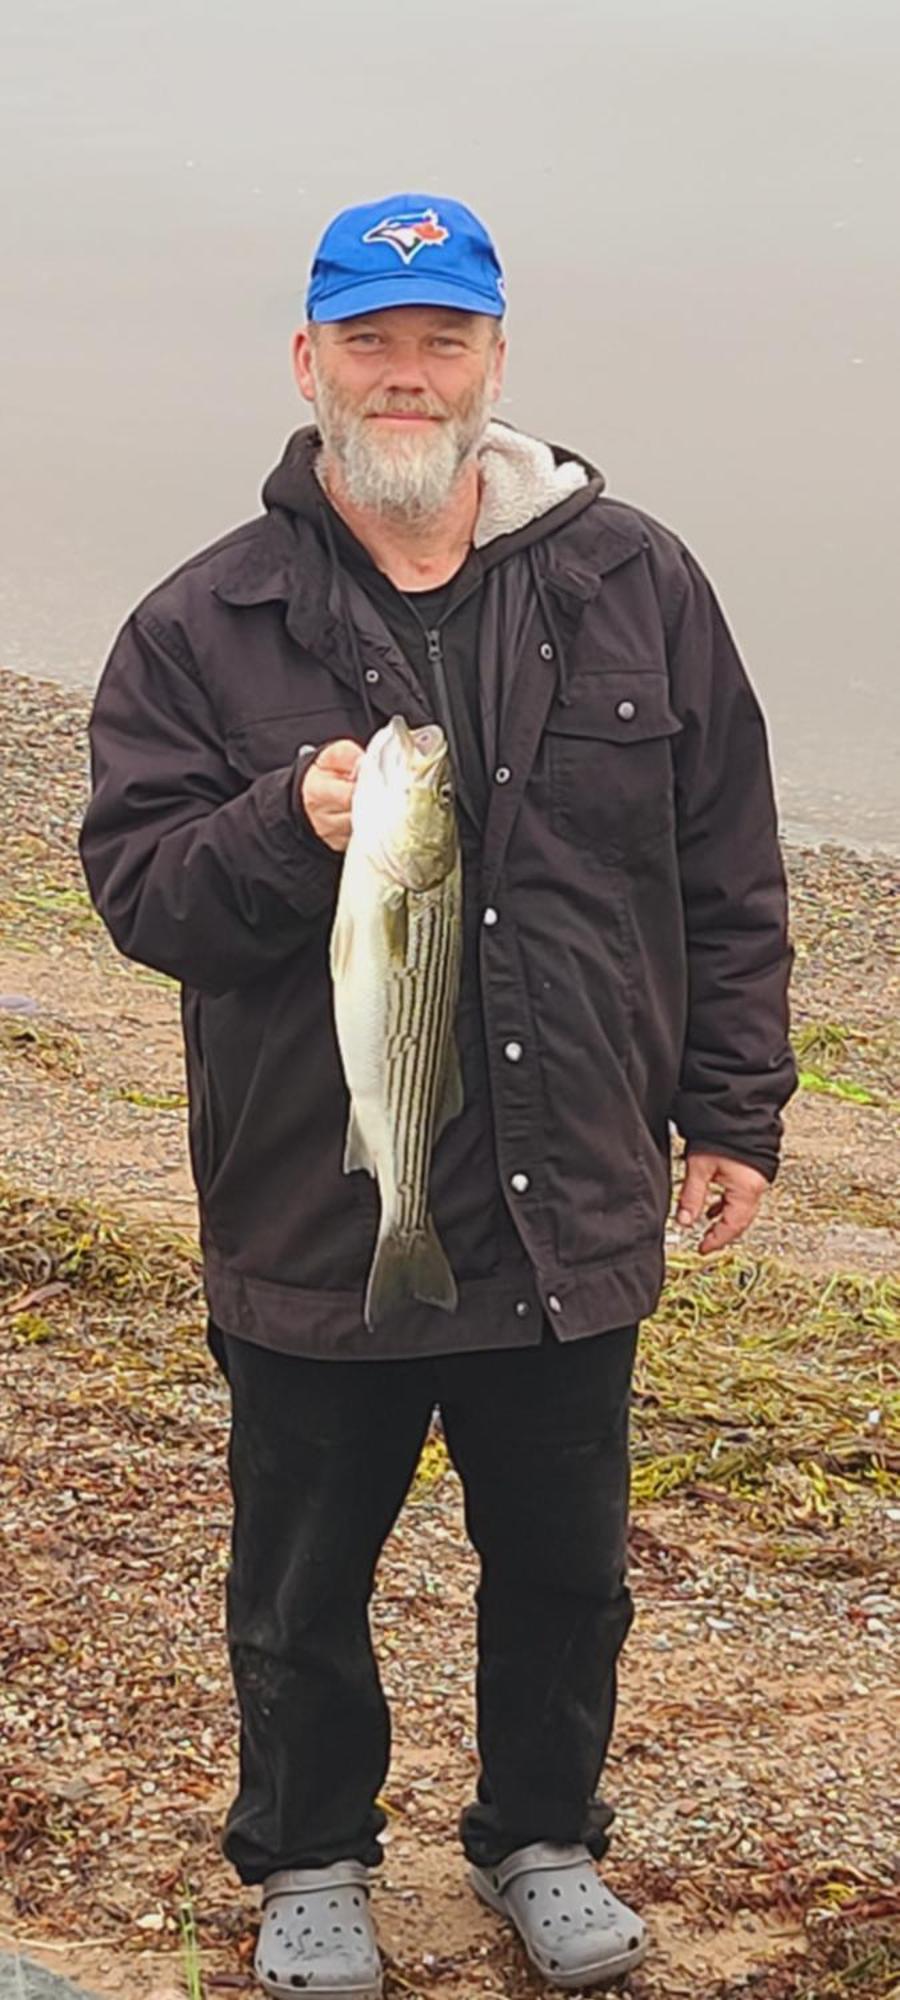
{"points": [[405, 369]]}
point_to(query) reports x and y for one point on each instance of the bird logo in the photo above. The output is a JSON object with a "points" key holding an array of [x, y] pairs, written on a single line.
{"points": [[408, 234]]}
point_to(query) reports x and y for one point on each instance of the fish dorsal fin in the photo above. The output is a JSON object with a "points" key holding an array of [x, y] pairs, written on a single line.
{"points": [[356, 1151], [451, 1100]]}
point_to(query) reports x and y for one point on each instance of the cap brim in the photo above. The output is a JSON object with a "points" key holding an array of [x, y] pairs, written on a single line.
{"points": [[379, 294]]}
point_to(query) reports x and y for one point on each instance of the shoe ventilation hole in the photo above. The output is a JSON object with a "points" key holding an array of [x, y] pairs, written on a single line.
{"points": [[531, 1895], [556, 1892], [298, 1978], [546, 1924], [583, 1887], [333, 1904], [358, 1929], [306, 1931], [336, 1930], [589, 1909], [566, 1920], [356, 1902], [632, 1944], [554, 1964], [279, 1933], [300, 1910], [320, 1944]]}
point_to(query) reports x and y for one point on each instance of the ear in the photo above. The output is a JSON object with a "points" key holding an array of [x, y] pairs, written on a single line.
{"points": [[301, 353], [498, 367]]}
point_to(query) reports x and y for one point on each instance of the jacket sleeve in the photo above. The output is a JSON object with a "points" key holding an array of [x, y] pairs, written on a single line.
{"points": [[737, 1069], [193, 872]]}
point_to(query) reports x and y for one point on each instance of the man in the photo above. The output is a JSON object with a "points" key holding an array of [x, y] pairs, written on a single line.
{"points": [[624, 966]]}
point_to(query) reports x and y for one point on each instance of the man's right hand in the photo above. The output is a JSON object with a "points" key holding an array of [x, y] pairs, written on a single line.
{"points": [[327, 790]]}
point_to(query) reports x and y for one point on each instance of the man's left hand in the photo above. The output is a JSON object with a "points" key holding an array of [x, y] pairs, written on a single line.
{"points": [[737, 1190]]}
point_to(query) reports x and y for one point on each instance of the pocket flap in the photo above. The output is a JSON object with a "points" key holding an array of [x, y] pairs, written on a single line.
{"points": [[621, 706]]}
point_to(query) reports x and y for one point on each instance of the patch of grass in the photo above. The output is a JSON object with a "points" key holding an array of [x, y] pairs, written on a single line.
{"points": [[836, 1086], [95, 1252], [30, 1329], [164, 1100], [56, 1051], [190, 1948], [821, 1045], [56, 905], [770, 1384], [752, 1378]]}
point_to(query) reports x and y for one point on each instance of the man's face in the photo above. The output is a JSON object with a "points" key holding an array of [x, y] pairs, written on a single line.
{"points": [[402, 398]]}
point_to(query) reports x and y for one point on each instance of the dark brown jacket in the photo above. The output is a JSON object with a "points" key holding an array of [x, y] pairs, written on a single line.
{"points": [[624, 915]]}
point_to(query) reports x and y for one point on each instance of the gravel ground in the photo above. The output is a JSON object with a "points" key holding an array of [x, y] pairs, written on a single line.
{"points": [[754, 1770]]}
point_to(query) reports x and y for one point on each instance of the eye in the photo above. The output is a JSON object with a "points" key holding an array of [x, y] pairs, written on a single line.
{"points": [[448, 343], [445, 794], [363, 340]]}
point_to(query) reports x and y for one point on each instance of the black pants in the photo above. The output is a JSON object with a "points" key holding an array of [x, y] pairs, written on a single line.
{"points": [[322, 1455]]}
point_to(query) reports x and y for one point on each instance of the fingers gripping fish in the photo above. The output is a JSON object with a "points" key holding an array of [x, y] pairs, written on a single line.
{"points": [[395, 959]]}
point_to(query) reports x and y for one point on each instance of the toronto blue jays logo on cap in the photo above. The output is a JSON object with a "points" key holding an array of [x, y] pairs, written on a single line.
{"points": [[408, 234], [350, 274]]}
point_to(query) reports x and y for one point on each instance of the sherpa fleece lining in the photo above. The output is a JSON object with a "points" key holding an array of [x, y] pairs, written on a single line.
{"points": [[520, 481]]}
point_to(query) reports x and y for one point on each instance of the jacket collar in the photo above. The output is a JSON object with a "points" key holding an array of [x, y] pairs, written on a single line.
{"points": [[581, 544]]}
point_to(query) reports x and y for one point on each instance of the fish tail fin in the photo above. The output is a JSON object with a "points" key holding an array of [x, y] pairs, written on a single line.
{"points": [[406, 1268]]}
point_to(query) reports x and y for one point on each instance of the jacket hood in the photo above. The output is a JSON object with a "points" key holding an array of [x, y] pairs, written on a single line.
{"points": [[527, 487]]}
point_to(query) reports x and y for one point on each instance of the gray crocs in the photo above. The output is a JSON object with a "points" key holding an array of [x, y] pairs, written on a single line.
{"points": [[575, 1931], [316, 1934]]}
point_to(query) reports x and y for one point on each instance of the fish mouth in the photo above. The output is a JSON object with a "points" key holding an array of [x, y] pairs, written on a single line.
{"points": [[422, 746], [428, 741]]}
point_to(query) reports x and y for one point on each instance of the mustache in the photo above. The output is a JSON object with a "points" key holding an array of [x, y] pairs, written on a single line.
{"points": [[401, 404]]}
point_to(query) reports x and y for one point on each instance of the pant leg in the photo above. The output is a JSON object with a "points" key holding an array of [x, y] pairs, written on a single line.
{"points": [[540, 1439], [321, 1457]]}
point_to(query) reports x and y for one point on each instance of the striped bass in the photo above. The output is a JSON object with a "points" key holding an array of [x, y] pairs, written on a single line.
{"points": [[395, 959]]}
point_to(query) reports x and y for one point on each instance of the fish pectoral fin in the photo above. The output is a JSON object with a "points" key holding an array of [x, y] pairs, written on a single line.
{"points": [[341, 945], [356, 1150], [406, 1268], [396, 924], [451, 1100]]}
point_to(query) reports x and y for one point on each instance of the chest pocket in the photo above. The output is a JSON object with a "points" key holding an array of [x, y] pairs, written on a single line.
{"points": [[266, 742], [609, 761]]}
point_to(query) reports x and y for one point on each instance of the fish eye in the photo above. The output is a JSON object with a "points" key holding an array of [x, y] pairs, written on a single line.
{"points": [[445, 794]]}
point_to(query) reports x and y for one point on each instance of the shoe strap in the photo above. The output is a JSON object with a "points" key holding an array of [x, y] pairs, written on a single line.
{"points": [[340, 1875], [541, 1854]]}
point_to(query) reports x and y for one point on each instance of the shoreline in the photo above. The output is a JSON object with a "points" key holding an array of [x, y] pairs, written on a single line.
{"points": [[800, 827]]}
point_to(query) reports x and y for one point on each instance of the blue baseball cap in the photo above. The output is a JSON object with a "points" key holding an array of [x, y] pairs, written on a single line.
{"points": [[409, 250]]}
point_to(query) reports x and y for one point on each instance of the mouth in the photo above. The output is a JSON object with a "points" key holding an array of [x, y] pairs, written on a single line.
{"points": [[402, 417]]}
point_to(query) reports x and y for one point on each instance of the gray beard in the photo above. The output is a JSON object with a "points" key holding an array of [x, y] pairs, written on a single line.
{"points": [[408, 479]]}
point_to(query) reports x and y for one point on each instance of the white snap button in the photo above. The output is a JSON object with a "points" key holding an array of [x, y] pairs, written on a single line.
{"points": [[554, 1303], [502, 774], [520, 1183], [372, 676], [514, 1052], [626, 711], [491, 917], [522, 1307], [546, 650]]}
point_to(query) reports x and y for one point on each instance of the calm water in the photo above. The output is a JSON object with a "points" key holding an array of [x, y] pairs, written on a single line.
{"points": [[698, 214]]}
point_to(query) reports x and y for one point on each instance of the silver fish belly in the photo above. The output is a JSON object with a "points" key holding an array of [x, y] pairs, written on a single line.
{"points": [[396, 962]]}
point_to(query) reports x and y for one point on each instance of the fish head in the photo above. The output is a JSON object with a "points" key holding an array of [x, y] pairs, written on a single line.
{"points": [[403, 804]]}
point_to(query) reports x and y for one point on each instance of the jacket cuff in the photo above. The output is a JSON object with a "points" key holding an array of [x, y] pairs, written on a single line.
{"points": [[284, 818], [765, 1163]]}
